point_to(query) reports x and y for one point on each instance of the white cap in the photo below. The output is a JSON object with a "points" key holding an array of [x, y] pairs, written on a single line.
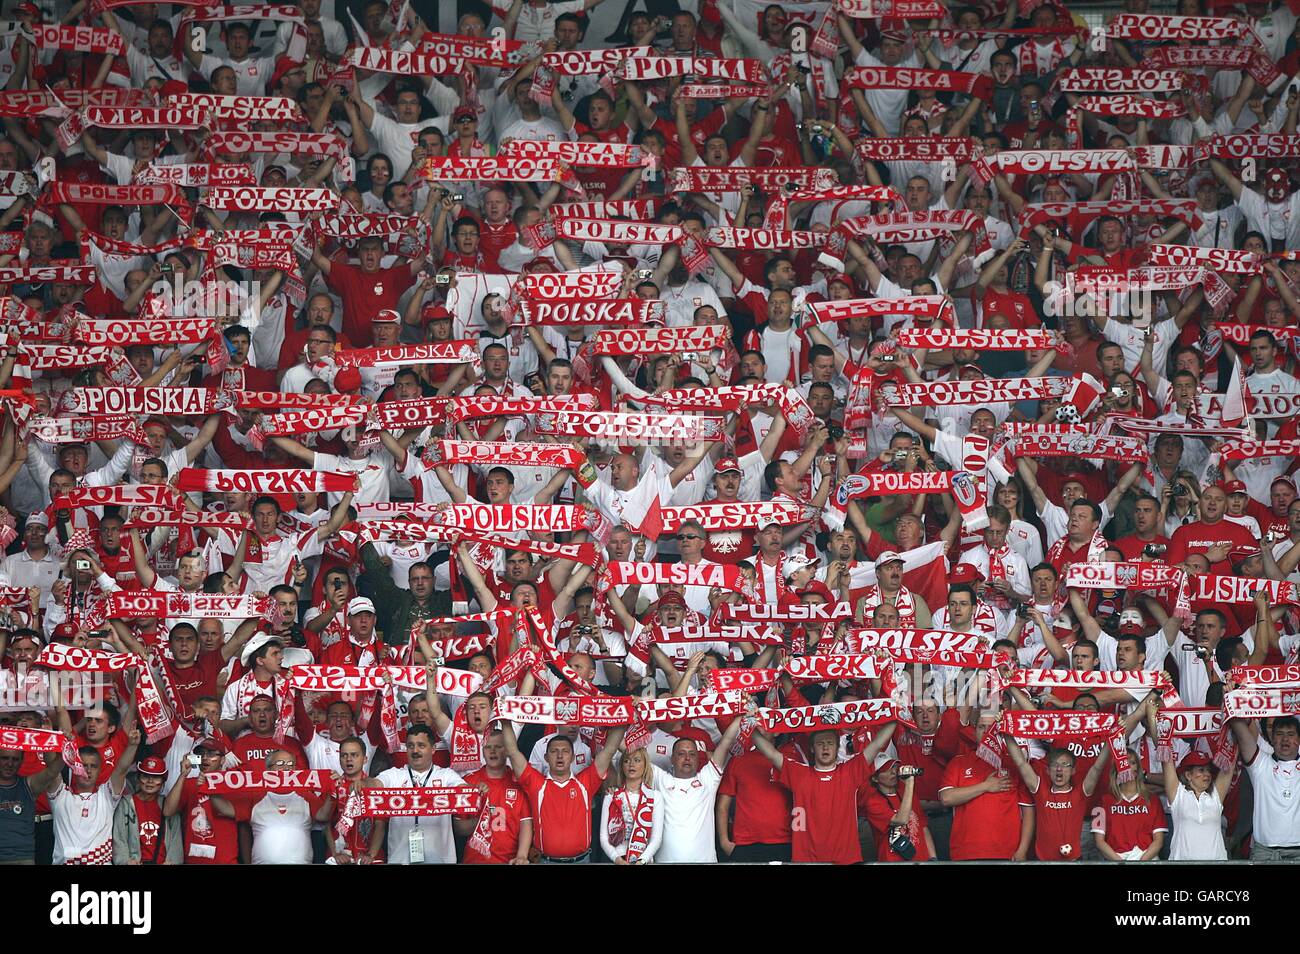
{"points": [[889, 556], [386, 315], [253, 645], [360, 605], [794, 564]]}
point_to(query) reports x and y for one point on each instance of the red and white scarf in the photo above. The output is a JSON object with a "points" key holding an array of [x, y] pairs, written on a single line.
{"points": [[241, 781], [640, 67], [148, 401], [631, 428], [944, 81], [718, 515], [1166, 29], [842, 716], [241, 108], [78, 39], [198, 480], [632, 822], [270, 199], [977, 392], [150, 707], [1096, 679], [772, 180]]}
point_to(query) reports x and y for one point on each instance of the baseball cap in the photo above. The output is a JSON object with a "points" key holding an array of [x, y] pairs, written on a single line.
{"points": [[360, 605], [173, 88], [64, 631], [152, 765], [884, 763], [211, 743], [1235, 487], [464, 112], [671, 598], [965, 573], [817, 588], [726, 465], [39, 516], [795, 564], [1193, 760], [898, 36], [284, 65], [435, 313], [387, 316], [889, 556], [845, 280]]}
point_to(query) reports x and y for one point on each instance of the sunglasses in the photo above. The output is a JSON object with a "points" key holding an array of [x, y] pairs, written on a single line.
{"points": [[688, 536], [467, 119]]}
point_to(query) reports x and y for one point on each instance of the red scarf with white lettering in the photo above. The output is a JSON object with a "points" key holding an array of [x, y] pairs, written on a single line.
{"points": [[150, 708], [903, 602], [633, 822], [1068, 726]]}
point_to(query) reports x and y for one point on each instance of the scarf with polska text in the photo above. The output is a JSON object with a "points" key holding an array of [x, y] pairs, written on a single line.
{"points": [[77, 39], [891, 228], [1167, 28], [631, 428], [766, 239], [1033, 162], [125, 332], [793, 406], [296, 49], [119, 495], [581, 311], [198, 480], [473, 407], [778, 209], [165, 402], [602, 155], [241, 108], [717, 515], [584, 553], [74, 273], [977, 85], [492, 518], [638, 341], [976, 392], [504, 454], [1069, 726], [1254, 61], [841, 716], [1251, 450], [1102, 79], [1155, 681], [150, 707], [376, 59], [59, 192], [769, 181], [1247, 145], [722, 90], [632, 822], [270, 199], [28, 324], [500, 169], [980, 339], [78, 430], [1269, 703], [279, 400], [197, 174], [238, 782], [1092, 446], [1217, 259], [146, 117], [960, 149], [1138, 106], [150, 517], [723, 575], [161, 604], [433, 352], [641, 68], [287, 143], [607, 209], [1178, 723]]}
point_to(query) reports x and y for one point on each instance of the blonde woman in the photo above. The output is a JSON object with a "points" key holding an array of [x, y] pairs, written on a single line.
{"points": [[631, 818], [1129, 825], [1195, 797]]}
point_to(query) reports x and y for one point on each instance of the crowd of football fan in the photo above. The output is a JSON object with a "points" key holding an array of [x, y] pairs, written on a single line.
{"points": [[750, 521]]}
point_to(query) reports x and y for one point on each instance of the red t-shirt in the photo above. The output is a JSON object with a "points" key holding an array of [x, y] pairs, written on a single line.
{"points": [[198, 680], [987, 827], [827, 800], [1132, 546], [365, 294], [1199, 536], [149, 815], [880, 810], [561, 811], [210, 839], [1130, 824], [1058, 819], [109, 752], [924, 755], [510, 807], [762, 803], [1017, 308], [252, 749]]}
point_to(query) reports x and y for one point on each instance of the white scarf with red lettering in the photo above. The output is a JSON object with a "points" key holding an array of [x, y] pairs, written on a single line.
{"points": [[631, 822]]}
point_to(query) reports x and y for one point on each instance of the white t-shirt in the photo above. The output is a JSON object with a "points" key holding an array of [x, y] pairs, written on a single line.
{"points": [[688, 815], [1277, 799], [439, 848], [83, 824]]}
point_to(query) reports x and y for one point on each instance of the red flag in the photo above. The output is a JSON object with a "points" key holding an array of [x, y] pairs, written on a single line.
{"points": [[652, 524]]}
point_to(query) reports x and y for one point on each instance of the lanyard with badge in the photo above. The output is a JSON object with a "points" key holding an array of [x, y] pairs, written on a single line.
{"points": [[415, 837]]}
